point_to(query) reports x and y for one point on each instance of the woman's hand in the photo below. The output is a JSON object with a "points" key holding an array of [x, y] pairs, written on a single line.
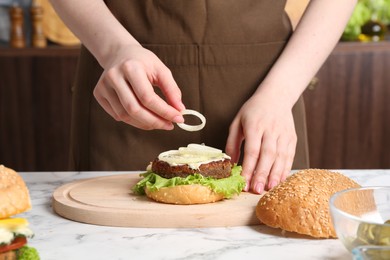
{"points": [[126, 90], [265, 121], [267, 126]]}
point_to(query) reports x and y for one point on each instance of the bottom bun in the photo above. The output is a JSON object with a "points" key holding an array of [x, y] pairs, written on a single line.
{"points": [[185, 195], [10, 255]]}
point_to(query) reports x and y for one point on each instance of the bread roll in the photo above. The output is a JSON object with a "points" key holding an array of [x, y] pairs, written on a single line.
{"points": [[185, 195], [14, 194], [301, 203], [10, 255]]}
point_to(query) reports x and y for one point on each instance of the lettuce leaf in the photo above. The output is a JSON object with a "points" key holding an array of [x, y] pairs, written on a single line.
{"points": [[27, 253], [226, 186]]}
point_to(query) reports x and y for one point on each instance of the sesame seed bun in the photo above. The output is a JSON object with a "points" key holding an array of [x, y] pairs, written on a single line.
{"points": [[185, 195], [301, 203], [14, 194]]}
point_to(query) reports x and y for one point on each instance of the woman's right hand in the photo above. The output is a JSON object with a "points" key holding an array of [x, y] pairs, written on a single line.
{"points": [[126, 87], [125, 90]]}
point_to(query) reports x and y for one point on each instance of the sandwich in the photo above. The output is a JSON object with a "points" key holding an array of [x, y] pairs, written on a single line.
{"points": [[14, 231], [301, 203], [195, 174]]}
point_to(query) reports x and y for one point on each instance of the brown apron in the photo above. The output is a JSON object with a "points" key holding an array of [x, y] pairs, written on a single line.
{"points": [[218, 51]]}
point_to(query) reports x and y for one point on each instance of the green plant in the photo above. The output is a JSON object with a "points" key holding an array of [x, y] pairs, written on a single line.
{"points": [[363, 12]]}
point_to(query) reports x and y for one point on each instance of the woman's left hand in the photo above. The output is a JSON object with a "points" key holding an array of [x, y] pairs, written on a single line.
{"points": [[265, 121], [267, 126]]}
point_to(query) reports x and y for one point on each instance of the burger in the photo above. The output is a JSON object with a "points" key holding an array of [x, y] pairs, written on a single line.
{"points": [[14, 231], [195, 174]]}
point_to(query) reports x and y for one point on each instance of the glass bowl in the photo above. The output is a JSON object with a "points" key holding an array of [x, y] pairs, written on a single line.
{"points": [[361, 216], [371, 253]]}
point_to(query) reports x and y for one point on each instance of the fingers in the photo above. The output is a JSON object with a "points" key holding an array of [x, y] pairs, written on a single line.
{"points": [[144, 91], [251, 157], [121, 103], [269, 164], [290, 157], [262, 165], [278, 167], [109, 100], [234, 141], [267, 160], [128, 95], [106, 106], [169, 88]]}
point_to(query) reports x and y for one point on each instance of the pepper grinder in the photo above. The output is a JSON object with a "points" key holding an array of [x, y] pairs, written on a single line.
{"points": [[38, 38], [17, 39]]}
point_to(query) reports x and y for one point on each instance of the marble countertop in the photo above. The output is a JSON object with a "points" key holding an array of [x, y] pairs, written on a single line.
{"points": [[59, 238]]}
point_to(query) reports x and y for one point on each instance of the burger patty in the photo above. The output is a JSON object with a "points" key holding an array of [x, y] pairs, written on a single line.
{"points": [[219, 169]]}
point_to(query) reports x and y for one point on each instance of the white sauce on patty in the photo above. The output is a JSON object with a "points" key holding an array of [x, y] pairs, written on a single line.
{"points": [[194, 155]]}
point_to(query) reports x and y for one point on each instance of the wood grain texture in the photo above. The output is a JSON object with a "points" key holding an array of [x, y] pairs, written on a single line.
{"points": [[108, 201], [348, 112], [35, 108]]}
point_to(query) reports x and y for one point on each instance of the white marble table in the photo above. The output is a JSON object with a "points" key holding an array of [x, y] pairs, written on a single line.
{"points": [[61, 239]]}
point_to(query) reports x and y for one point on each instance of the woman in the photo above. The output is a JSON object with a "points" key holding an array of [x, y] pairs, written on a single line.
{"points": [[236, 62]]}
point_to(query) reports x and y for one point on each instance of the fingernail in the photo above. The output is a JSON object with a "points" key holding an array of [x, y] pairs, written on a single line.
{"points": [[246, 187], [170, 127], [272, 184], [259, 188], [178, 119]]}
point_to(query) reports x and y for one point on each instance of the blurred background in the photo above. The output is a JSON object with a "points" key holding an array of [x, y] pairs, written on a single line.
{"points": [[347, 103], [369, 22]]}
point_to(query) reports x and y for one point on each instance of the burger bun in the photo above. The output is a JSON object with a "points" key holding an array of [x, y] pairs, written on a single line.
{"points": [[185, 195], [301, 203], [14, 194]]}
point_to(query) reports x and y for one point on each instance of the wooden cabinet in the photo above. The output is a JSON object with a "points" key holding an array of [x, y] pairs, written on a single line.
{"points": [[348, 111], [35, 107]]}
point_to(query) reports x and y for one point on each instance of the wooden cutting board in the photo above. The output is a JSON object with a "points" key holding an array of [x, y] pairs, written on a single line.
{"points": [[109, 201]]}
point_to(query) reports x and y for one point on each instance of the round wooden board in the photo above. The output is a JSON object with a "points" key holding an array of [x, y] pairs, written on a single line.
{"points": [[109, 201]]}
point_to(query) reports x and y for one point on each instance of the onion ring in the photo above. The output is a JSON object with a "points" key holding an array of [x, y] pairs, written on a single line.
{"points": [[192, 128]]}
